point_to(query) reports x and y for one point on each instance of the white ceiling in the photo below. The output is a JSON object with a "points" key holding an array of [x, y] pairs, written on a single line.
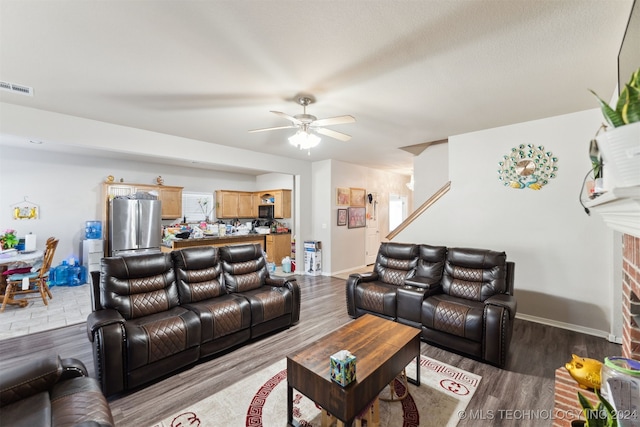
{"points": [[409, 71]]}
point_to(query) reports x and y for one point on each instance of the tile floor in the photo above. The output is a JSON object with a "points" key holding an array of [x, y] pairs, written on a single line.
{"points": [[69, 306]]}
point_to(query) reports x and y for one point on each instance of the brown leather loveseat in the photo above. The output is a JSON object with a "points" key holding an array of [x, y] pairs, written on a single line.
{"points": [[461, 298], [52, 392], [158, 313]]}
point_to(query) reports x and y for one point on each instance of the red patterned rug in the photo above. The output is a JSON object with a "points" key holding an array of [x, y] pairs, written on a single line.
{"points": [[260, 400]]}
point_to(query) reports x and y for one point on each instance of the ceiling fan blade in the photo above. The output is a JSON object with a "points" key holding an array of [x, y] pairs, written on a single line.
{"points": [[334, 121], [279, 127], [333, 134], [288, 117]]}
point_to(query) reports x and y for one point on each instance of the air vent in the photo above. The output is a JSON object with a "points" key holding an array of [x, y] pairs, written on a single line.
{"points": [[12, 87]]}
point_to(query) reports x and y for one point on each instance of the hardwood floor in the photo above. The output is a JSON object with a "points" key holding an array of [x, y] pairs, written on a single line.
{"points": [[526, 384]]}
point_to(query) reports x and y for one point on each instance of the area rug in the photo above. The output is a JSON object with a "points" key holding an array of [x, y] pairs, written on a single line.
{"points": [[261, 400]]}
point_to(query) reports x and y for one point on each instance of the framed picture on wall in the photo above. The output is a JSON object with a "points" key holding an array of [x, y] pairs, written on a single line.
{"points": [[342, 196], [357, 196], [342, 217], [357, 217]]}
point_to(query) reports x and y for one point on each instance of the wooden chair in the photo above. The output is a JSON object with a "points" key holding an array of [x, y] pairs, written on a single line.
{"points": [[37, 279]]}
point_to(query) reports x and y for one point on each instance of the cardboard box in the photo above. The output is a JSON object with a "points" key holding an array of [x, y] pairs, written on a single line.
{"points": [[312, 258], [342, 366]]}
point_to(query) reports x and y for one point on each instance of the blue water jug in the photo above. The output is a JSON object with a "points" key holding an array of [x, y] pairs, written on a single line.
{"points": [[93, 230], [60, 274]]}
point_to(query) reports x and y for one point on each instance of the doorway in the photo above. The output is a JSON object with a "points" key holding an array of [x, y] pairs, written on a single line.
{"points": [[397, 210]]}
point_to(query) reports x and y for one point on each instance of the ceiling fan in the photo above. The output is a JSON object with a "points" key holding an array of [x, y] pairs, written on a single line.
{"points": [[306, 123]]}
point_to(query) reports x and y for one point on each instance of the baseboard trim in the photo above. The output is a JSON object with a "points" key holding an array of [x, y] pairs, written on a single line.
{"points": [[570, 327]]}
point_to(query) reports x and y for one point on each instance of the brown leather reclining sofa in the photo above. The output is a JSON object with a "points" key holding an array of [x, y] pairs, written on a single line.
{"points": [[158, 313], [52, 392], [461, 298]]}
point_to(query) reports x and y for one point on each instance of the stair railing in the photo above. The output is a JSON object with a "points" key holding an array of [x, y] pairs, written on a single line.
{"points": [[415, 214]]}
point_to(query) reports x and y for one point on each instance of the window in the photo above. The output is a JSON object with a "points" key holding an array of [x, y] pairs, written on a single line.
{"points": [[197, 207]]}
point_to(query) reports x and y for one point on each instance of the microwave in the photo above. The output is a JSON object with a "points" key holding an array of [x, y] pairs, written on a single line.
{"points": [[265, 211]]}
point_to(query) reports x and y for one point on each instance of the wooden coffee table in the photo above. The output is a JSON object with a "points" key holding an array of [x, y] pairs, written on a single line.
{"points": [[383, 348]]}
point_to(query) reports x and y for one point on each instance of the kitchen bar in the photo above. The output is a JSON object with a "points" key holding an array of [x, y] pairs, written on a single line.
{"points": [[213, 241]]}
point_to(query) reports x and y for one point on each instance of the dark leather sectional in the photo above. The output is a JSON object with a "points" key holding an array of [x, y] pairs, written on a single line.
{"points": [[52, 392], [461, 298], [158, 313]]}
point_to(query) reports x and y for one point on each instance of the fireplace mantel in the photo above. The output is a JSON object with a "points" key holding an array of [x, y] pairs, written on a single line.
{"points": [[619, 208]]}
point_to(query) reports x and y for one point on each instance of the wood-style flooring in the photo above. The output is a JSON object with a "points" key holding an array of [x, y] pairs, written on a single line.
{"points": [[512, 394]]}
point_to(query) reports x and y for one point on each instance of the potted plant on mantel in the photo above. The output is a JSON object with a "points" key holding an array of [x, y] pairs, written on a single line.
{"points": [[620, 146]]}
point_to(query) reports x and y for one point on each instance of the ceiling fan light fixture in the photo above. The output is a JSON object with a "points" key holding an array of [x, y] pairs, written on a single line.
{"points": [[304, 140]]}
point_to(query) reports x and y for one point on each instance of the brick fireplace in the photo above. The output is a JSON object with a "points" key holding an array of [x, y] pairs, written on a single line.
{"points": [[566, 406], [631, 297]]}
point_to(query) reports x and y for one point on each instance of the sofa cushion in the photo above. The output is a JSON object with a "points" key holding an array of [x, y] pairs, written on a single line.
{"points": [[474, 274], [431, 262], [396, 262], [453, 315], [221, 316], [29, 412], [79, 400], [268, 303], [377, 297], [160, 335], [244, 267], [140, 285], [198, 273]]}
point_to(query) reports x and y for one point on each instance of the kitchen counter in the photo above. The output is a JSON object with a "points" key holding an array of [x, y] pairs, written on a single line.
{"points": [[232, 239]]}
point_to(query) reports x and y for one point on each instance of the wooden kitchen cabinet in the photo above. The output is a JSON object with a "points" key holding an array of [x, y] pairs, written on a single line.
{"points": [[281, 202], [245, 205], [277, 247], [171, 198], [234, 204]]}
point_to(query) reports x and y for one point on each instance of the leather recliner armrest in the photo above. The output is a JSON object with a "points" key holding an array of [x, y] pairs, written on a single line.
{"points": [[503, 300], [28, 379], [364, 277], [101, 318], [276, 281]]}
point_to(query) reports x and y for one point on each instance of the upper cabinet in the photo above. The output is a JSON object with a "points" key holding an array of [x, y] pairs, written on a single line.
{"points": [[234, 204], [243, 204], [280, 199], [171, 197]]}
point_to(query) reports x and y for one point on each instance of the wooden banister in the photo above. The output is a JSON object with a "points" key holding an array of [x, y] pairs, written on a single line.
{"points": [[415, 214]]}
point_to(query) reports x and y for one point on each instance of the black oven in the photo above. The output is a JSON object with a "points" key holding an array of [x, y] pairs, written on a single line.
{"points": [[265, 211]]}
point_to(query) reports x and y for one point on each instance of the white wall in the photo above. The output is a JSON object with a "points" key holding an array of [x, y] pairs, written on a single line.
{"points": [[68, 189], [563, 257], [348, 244], [430, 172]]}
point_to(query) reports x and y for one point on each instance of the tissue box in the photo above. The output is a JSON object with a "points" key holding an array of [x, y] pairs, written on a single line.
{"points": [[343, 367]]}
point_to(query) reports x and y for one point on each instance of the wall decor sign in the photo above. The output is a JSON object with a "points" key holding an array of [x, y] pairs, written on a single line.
{"points": [[342, 196], [25, 210], [357, 197], [527, 166], [342, 217], [357, 217]]}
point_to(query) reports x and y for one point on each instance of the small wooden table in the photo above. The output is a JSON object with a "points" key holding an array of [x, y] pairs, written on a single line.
{"points": [[383, 348]]}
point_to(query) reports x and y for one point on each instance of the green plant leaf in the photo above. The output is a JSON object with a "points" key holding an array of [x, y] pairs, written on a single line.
{"points": [[613, 117], [630, 111], [612, 420]]}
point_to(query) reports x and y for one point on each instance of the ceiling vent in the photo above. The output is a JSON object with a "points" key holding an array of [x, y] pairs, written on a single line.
{"points": [[12, 87]]}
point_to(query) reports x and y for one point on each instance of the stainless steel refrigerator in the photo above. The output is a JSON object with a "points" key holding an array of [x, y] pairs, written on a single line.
{"points": [[135, 226]]}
